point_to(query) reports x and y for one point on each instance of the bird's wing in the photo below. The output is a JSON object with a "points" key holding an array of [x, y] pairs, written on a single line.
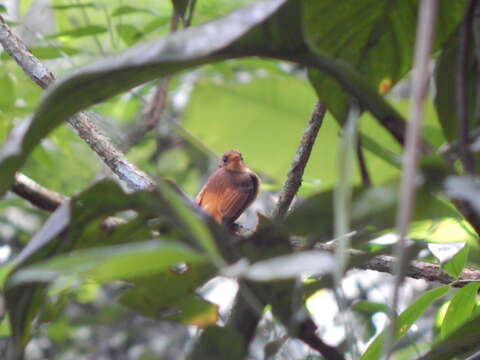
{"points": [[237, 197]]}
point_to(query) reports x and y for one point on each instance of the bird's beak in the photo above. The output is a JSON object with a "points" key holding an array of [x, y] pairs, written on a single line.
{"points": [[236, 159]]}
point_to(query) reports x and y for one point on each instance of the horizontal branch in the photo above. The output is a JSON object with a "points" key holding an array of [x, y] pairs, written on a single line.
{"points": [[100, 144], [416, 269]]}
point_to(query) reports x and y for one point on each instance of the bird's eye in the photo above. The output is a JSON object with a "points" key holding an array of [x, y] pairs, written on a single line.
{"points": [[224, 158]]}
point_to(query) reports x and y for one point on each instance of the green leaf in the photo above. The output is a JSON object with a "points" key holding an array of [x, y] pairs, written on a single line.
{"points": [[5, 330], [90, 5], [218, 343], [404, 321], [181, 283], [446, 94], [372, 210], [463, 340], [52, 52], [126, 9], [129, 33], [370, 307], [66, 226], [455, 266], [194, 311], [108, 263], [3, 9], [460, 309], [7, 88], [89, 30], [378, 42]]}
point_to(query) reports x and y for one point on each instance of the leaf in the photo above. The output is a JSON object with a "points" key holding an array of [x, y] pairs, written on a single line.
{"points": [[7, 87], [52, 52], [195, 311], [144, 62], [372, 210], [378, 42], [370, 307], [67, 223], [404, 321], [79, 32], [460, 309], [446, 94], [108, 263], [463, 340], [91, 5], [452, 256], [445, 252], [218, 343], [285, 267], [129, 33], [3, 9], [148, 297], [127, 9], [4, 327]]}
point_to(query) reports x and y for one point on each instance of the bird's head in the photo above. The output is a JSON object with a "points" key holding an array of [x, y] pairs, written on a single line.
{"points": [[232, 160]]}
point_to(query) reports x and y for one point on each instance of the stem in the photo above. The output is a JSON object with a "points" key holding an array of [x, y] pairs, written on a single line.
{"points": [[294, 177], [423, 48], [36, 194]]}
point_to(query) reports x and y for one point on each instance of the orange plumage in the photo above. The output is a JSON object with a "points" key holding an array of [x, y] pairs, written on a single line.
{"points": [[230, 190]]}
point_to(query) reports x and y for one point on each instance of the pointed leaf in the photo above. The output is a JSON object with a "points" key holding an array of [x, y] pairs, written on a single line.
{"points": [[404, 321], [460, 308]]}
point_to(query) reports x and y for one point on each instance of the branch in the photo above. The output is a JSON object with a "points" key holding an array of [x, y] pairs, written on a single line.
{"points": [[366, 181], [416, 269], [461, 87], [153, 111], [100, 144], [423, 49], [36, 194], [306, 333], [294, 177]]}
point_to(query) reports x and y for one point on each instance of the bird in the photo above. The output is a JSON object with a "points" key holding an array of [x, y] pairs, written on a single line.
{"points": [[230, 190]]}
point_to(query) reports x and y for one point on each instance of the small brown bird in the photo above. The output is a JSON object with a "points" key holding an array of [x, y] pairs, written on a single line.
{"points": [[230, 190]]}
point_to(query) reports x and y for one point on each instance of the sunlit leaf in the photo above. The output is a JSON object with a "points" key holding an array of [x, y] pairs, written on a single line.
{"points": [[460, 308]]}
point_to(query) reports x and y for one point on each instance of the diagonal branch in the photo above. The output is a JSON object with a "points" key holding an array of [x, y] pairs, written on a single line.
{"points": [[153, 111], [294, 177], [36, 194], [100, 144]]}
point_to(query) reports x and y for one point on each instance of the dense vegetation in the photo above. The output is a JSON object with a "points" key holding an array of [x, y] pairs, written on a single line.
{"points": [[97, 227]]}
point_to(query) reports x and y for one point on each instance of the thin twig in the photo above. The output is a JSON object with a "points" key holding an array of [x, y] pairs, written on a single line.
{"points": [[423, 49], [294, 177], [461, 87], [36, 194], [100, 144], [153, 111], [366, 181]]}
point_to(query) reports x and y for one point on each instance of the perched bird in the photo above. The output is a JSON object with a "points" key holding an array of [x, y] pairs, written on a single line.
{"points": [[230, 190]]}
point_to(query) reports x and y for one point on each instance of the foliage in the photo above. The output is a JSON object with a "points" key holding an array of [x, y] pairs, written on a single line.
{"points": [[241, 75]]}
